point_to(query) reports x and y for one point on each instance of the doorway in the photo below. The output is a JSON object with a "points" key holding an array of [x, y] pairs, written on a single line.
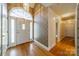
{"points": [[67, 28], [20, 31], [20, 26]]}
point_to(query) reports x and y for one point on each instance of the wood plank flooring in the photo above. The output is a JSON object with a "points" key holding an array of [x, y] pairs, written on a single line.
{"points": [[65, 47], [27, 49]]}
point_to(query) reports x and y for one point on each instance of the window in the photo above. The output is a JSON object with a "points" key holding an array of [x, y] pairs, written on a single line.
{"points": [[21, 13], [12, 31], [23, 26]]}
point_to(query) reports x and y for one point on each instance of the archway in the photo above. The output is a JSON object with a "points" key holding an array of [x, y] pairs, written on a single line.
{"points": [[20, 26], [20, 12]]}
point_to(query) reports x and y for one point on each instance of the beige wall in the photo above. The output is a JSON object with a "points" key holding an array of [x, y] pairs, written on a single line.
{"points": [[62, 30], [51, 28], [67, 28]]}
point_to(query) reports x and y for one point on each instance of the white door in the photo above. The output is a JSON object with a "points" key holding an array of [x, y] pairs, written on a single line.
{"points": [[22, 31], [19, 31]]}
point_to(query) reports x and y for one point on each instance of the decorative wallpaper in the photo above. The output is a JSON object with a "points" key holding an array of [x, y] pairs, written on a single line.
{"points": [[41, 27]]}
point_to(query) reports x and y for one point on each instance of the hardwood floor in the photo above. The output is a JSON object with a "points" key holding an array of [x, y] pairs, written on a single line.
{"points": [[27, 49], [65, 47]]}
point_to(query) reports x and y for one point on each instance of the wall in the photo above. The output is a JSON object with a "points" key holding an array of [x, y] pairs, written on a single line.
{"points": [[67, 28], [51, 28], [70, 28], [45, 27], [62, 30], [41, 26]]}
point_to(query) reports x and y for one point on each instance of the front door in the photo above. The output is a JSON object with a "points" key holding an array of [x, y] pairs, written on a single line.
{"points": [[22, 31], [19, 31]]}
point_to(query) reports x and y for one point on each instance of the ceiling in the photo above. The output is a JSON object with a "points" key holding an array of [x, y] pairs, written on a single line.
{"points": [[55, 7], [47, 4], [63, 8]]}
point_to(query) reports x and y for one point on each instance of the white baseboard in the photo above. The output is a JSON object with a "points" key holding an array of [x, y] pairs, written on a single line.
{"points": [[41, 45], [51, 47]]}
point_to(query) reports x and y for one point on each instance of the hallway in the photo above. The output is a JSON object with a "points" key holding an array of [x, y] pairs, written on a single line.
{"points": [[65, 47], [43, 24]]}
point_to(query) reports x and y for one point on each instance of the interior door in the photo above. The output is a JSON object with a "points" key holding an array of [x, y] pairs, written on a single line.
{"points": [[22, 31]]}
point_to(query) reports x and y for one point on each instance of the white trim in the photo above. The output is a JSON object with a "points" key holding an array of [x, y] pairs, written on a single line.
{"points": [[51, 47], [41, 45], [76, 30], [59, 29]]}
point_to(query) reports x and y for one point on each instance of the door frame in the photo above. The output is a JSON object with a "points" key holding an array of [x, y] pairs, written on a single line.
{"points": [[11, 17]]}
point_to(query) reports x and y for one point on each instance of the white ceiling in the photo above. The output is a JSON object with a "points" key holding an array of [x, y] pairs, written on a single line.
{"points": [[63, 8], [48, 4], [44, 4], [59, 8]]}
